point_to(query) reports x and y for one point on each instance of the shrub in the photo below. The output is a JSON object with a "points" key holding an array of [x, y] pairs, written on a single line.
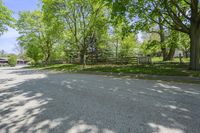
{"points": [[12, 60]]}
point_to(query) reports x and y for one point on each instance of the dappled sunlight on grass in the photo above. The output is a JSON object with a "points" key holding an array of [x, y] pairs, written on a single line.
{"points": [[166, 69]]}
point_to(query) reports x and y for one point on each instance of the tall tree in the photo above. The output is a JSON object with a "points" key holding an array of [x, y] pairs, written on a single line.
{"points": [[185, 16], [81, 18], [29, 27], [36, 28]]}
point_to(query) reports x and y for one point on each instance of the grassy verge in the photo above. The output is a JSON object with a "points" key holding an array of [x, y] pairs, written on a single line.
{"points": [[176, 60], [151, 70], [165, 69]]}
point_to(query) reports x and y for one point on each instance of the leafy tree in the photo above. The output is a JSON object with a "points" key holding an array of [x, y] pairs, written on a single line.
{"points": [[150, 47], [34, 52], [29, 28], [117, 35], [6, 18], [58, 53], [180, 15], [128, 47], [184, 44], [52, 32], [81, 19], [141, 21], [184, 16], [12, 60], [172, 43], [36, 28]]}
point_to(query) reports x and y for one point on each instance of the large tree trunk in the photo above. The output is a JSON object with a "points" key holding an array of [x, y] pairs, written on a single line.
{"points": [[186, 54], [48, 56], [195, 47], [171, 53], [162, 40], [82, 58], [83, 53], [164, 53]]}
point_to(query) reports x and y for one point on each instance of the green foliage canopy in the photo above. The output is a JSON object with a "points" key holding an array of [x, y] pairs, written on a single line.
{"points": [[6, 18]]}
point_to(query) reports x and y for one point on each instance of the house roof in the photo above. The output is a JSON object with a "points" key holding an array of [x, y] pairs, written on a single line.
{"points": [[4, 59]]}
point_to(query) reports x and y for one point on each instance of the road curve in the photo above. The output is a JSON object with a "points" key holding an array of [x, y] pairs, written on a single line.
{"points": [[47, 102]]}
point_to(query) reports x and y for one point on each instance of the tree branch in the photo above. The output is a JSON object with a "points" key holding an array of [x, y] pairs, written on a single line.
{"points": [[178, 22], [180, 10]]}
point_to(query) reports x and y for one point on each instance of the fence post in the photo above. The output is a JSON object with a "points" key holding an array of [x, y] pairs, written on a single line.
{"points": [[138, 60]]}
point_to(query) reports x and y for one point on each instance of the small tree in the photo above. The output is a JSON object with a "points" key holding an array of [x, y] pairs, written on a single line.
{"points": [[12, 60]]}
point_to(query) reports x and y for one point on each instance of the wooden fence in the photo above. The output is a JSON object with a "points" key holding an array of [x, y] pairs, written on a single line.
{"points": [[125, 60], [144, 60]]}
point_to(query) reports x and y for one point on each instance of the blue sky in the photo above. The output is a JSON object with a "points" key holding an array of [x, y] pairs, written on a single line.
{"points": [[8, 39]]}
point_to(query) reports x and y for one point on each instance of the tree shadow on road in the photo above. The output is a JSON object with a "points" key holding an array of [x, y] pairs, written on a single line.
{"points": [[78, 103]]}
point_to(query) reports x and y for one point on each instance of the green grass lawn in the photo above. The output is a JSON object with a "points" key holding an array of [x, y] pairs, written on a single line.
{"points": [[160, 59], [168, 69]]}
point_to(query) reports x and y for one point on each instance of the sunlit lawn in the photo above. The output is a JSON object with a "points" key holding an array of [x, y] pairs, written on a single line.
{"points": [[177, 60], [168, 69], [161, 69]]}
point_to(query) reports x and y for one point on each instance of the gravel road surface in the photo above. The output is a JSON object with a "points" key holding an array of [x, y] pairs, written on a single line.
{"points": [[34, 101]]}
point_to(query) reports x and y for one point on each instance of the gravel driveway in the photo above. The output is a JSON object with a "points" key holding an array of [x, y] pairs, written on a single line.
{"points": [[47, 102]]}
